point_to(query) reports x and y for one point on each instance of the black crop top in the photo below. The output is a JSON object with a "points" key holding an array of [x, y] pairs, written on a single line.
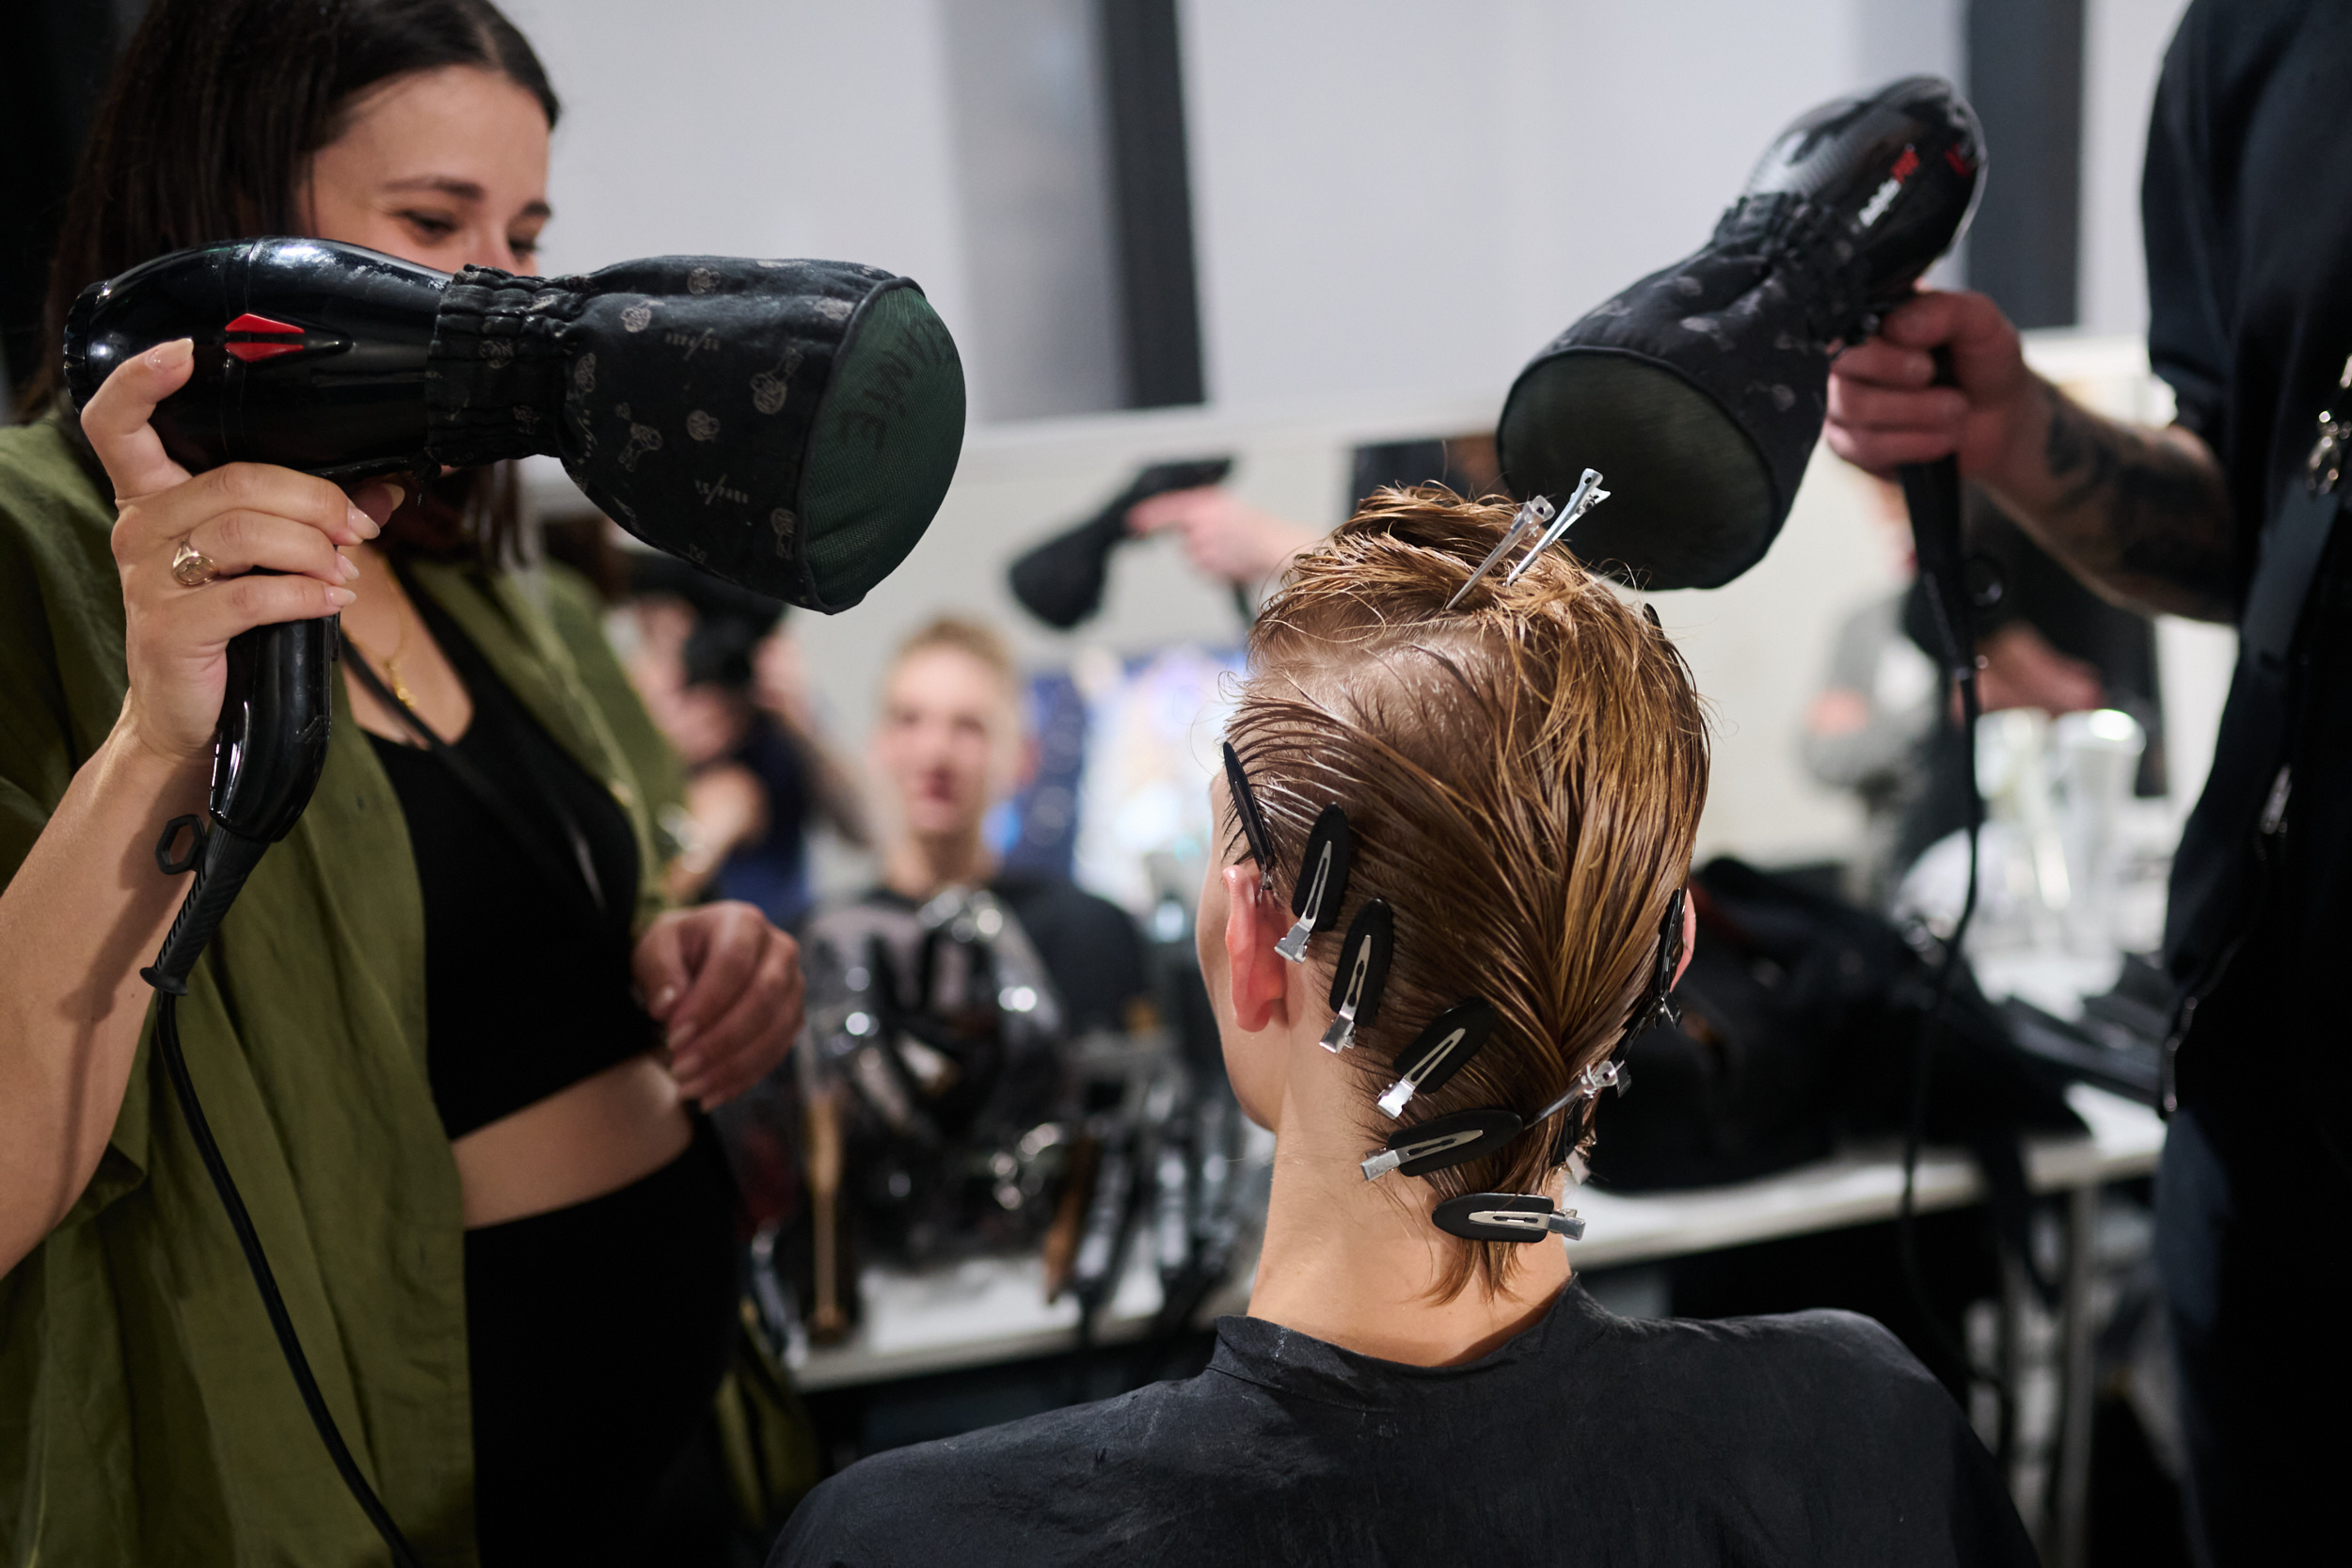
{"points": [[527, 979]]}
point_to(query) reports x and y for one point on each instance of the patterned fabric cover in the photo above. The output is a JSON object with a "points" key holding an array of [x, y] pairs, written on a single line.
{"points": [[812, 410]]}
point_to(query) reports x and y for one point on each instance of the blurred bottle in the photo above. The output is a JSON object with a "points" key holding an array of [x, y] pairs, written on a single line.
{"points": [[2097, 759]]}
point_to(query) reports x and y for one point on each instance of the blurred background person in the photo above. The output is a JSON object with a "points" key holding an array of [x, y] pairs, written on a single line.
{"points": [[724, 680], [951, 745]]}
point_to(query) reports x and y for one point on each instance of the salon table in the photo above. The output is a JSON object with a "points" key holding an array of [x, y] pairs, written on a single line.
{"points": [[993, 1310]]}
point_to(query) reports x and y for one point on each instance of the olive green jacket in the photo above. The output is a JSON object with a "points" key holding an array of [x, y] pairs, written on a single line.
{"points": [[146, 1415]]}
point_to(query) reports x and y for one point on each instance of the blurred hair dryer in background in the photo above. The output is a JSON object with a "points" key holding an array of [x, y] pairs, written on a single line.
{"points": [[1060, 580], [1700, 390]]}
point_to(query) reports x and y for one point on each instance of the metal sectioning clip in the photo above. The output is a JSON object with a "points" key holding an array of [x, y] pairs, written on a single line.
{"points": [[1536, 512], [1588, 495]]}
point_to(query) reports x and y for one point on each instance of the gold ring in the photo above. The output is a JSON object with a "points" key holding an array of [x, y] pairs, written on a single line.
{"points": [[191, 567]]}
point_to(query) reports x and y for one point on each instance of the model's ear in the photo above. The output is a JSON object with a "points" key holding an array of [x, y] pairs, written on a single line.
{"points": [[1261, 979], [1690, 937]]}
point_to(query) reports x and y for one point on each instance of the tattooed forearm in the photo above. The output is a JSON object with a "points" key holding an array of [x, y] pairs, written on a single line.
{"points": [[2144, 518]]}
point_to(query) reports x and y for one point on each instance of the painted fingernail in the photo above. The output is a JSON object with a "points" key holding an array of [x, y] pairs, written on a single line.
{"points": [[661, 1003], [165, 356], [349, 567], [680, 1036], [339, 596], [363, 524]]}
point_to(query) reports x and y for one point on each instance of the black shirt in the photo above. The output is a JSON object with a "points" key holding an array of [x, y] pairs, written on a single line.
{"points": [[2248, 207], [526, 970], [1813, 1439]]}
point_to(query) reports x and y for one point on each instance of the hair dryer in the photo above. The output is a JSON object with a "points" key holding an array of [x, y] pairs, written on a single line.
{"points": [[1700, 390], [790, 426]]}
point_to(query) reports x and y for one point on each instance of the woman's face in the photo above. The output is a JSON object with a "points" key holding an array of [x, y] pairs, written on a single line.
{"points": [[447, 169]]}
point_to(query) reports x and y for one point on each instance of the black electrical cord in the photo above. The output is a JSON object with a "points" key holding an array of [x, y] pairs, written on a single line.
{"points": [[1923, 1059], [221, 861], [1931, 493]]}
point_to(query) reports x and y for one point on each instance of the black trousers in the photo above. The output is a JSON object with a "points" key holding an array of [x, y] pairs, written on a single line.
{"points": [[2253, 1230]]}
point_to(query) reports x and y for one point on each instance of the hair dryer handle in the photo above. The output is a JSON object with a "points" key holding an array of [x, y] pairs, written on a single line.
{"points": [[1932, 492], [276, 712]]}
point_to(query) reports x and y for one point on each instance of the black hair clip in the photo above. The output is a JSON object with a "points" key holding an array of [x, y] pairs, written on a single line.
{"points": [[1655, 1007], [1452, 1039], [1252, 820], [1322, 886], [1443, 1142], [1361, 971], [1506, 1217]]}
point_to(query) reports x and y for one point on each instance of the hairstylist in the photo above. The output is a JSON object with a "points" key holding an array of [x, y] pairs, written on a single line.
{"points": [[476, 1162], [2230, 515]]}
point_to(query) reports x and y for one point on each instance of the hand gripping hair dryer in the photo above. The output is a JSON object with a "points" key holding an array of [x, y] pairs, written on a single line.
{"points": [[790, 426], [1700, 390]]}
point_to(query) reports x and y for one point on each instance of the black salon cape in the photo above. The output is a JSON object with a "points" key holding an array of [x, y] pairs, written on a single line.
{"points": [[1810, 1439]]}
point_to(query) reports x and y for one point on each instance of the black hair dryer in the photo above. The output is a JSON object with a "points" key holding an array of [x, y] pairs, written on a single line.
{"points": [[790, 426]]}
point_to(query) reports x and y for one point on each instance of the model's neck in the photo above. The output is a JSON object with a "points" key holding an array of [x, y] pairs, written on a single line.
{"points": [[918, 867], [1357, 1263]]}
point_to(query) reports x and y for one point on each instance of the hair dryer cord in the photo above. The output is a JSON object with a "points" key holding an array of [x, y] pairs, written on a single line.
{"points": [[227, 860]]}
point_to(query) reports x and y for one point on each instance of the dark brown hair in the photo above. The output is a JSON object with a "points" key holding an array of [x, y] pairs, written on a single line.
{"points": [[1523, 778], [213, 112]]}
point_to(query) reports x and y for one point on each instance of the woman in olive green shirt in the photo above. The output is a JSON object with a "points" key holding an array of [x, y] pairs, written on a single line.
{"points": [[145, 1413]]}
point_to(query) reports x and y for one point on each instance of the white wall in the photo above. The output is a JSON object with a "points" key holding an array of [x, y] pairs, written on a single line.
{"points": [[2122, 51], [1396, 202]]}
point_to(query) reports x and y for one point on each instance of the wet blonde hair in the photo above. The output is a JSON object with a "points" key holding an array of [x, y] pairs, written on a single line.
{"points": [[1523, 778]]}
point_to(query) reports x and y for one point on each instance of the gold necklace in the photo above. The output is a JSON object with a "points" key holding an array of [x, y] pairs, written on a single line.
{"points": [[391, 661]]}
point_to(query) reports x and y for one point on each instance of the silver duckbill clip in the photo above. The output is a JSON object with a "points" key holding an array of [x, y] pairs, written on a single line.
{"points": [[1588, 495], [1536, 513]]}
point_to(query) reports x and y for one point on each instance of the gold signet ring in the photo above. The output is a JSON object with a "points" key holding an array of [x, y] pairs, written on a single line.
{"points": [[191, 567]]}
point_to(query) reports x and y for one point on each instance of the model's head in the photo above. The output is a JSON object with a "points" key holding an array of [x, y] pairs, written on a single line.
{"points": [[1523, 779], [948, 743], [414, 127]]}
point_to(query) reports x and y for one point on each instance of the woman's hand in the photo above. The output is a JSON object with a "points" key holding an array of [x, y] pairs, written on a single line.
{"points": [[726, 986], [242, 516]]}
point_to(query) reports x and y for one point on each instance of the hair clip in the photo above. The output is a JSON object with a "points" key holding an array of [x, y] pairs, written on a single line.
{"points": [[1322, 882], [1656, 1006], [1252, 820], [1452, 1039], [1588, 495], [1506, 1217], [1363, 970], [1536, 512], [1609, 1074], [1433, 1146]]}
